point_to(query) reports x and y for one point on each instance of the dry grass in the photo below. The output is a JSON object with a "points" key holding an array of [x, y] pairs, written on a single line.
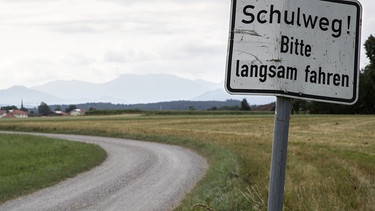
{"points": [[331, 159]]}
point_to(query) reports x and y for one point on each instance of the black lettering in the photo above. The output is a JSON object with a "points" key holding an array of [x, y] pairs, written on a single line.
{"points": [[336, 79], [296, 43], [291, 73], [237, 68], [284, 44], [251, 16], [308, 50], [322, 76], [336, 28], [345, 81], [297, 47], [313, 77], [297, 17], [307, 70], [263, 73], [259, 16], [323, 24], [291, 21], [273, 12], [310, 21], [272, 73], [254, 71], [301, 48], [329, 75], [244, 71], [281, 72]]}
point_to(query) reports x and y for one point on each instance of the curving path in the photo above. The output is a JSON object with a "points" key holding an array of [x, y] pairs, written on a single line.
{"points": [[136, 176]]}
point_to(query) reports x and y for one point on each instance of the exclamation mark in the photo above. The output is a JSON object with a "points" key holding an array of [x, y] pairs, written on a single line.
{"points": [[349, 17]]}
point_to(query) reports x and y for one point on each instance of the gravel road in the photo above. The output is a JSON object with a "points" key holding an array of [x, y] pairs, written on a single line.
{"points": [[136, 176]]}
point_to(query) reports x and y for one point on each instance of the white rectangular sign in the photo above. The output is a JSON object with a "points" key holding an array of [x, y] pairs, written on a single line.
{"points": [[307, 49]]}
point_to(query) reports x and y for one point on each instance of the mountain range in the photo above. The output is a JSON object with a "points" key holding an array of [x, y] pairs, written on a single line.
{"points": [[126, 89]]}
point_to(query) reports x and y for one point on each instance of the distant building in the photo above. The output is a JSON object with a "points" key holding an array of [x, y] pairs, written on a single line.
{"points": [[267, 107], [59, 113], [13, 114], [3, 113], [77, 112]]}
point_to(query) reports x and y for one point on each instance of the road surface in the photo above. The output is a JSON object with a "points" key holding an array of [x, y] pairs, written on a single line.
{"points": [[136, 176]]}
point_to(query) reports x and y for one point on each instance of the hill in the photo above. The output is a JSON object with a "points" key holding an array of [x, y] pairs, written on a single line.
{"points": [[126, 89]]}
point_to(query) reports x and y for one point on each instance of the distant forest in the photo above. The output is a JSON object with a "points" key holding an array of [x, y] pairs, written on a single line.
{"points": [[164, 106]]}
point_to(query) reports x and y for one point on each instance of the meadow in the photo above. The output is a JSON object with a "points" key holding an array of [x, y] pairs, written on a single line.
{"points": [[29, 163], [330, 162]]}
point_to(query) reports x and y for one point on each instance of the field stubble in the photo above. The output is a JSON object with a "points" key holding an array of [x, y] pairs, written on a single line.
{"points": [[330, 163]]}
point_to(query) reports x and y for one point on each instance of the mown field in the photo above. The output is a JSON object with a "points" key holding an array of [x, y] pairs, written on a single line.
{"points": [[330, 162]]}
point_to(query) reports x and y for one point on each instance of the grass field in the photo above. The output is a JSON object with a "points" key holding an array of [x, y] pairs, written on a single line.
{"points": [[330, 163], [28, 163]]}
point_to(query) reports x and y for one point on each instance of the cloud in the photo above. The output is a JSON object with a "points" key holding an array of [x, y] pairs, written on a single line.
{"points": [[95, 40], [23, 72], [112, 56], [77, 60], [128, 56], [98, 40]]}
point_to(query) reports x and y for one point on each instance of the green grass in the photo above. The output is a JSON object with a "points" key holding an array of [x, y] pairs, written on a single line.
{"points": [[330, 163], [28, 163]]}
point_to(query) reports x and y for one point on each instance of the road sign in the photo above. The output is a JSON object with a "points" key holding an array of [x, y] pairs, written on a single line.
{"points": [[306, 49]]}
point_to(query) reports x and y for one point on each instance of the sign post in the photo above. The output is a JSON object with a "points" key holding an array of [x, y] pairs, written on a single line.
{"points": [[303, 49], [279, 152]]}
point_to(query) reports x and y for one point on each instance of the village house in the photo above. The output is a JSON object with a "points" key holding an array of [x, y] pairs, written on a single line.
{"points": [[13, 114], [3, 113], [77, 112], [58, 113]]}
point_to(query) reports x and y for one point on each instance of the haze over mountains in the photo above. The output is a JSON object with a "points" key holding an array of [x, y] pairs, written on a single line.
{"points": [[126, 89]]}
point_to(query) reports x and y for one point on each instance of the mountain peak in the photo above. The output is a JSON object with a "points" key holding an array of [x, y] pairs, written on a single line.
{"points": [[14, 95], [125, 89]]}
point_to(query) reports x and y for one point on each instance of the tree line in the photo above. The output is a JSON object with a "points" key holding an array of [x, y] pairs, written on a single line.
{"points": [[47, 110]]}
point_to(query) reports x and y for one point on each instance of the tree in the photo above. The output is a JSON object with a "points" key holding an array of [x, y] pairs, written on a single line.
{"points": [[366, 100], [370, 49], [299, 106], [43, 109], [191, 108], [244, 105], [7, 108], [58, 108], [70, 108]]}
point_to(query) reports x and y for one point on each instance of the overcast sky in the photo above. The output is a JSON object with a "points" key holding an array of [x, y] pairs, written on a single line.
{"points": [[98, 40]]}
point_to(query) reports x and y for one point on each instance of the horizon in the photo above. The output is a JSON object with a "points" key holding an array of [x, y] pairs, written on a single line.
{"points": [[135, 89]]}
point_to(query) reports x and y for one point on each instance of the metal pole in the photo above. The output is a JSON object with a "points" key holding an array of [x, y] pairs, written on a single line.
{"points": [[279, 150]]}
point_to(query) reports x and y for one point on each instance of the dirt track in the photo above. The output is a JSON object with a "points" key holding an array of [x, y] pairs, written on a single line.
{"points": [[136, 176]]}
